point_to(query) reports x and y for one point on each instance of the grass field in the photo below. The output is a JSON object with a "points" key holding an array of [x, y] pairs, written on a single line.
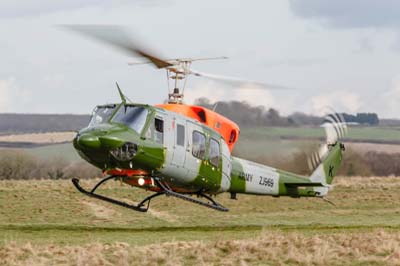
{"points": [[47, 222]]}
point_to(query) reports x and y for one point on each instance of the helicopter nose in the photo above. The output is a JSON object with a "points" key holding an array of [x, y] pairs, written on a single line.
{"points": [[88, 141], [110, 142]]}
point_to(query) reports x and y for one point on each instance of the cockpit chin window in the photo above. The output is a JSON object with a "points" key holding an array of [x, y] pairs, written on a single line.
{"points": [[101, 114], [132, 116]]}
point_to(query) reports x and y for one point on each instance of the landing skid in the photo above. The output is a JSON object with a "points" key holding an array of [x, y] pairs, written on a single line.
{"points": [[213, 205], [140, 207], [144, 205]]}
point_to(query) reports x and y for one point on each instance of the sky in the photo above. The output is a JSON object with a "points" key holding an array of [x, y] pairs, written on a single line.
{"points": [[344, 53]]}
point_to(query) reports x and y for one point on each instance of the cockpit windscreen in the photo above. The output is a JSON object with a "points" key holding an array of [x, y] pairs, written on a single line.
{"points": [[101, 114], [132, 116]]}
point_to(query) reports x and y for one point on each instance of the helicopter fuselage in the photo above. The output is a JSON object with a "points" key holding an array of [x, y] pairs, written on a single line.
{"points": [[142, 142]]}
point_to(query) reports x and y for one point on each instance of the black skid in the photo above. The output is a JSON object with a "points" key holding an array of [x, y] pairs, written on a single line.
{"points": [[213, 205], [140, 207], [165, 190]]}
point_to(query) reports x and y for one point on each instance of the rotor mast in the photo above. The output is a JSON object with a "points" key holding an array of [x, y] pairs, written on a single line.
{"points": [[178, 74]]}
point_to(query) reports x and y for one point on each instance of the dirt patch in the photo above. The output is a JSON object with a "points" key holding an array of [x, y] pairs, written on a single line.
{"points": [[101, 212], [162, 215]]}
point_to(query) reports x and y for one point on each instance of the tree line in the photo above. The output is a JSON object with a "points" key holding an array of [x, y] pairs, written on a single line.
{"points": [[247, 115], [241, 112]]}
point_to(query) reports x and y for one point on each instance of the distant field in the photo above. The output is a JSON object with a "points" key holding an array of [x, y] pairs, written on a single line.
{"points": [[65, 151], [282, 142], [368, 134], [381, 148], [33, 123], [50, 137], [253, 142], [256, 147], [248, 147], [46, 222]]}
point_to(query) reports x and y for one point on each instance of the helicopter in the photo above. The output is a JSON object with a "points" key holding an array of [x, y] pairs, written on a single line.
{"points": [[185, 151]]}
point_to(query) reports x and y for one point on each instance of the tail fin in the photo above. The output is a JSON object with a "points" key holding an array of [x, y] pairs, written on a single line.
{"points": [[326, 162]]}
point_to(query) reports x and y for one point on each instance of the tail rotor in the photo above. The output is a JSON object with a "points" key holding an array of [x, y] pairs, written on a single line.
{"points": [[335, 128]]}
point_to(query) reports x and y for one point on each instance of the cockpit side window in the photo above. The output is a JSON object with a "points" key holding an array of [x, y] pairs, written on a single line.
{"points": [[159, 130], [101, 114], [180, 135], [132, 116]]}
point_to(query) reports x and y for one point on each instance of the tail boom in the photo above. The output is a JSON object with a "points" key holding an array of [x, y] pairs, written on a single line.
{"points": [[253, 178]]}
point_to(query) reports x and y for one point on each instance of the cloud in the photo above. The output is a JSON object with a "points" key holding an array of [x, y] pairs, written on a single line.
{"points": [[217, 92], [338, 100], [349, 14], [12, 97], [295, 62], [365, 45], [11, 9], [391, 100], [6, 86]]}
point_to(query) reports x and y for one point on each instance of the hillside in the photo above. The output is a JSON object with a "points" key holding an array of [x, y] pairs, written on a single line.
{"points": [[32, 123]]}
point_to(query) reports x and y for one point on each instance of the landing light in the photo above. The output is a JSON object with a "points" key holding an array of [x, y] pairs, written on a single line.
{"points": [[141, 181]]}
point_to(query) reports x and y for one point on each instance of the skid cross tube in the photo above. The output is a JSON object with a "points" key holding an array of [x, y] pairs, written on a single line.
{"points": [[213, 205], [140, 207]]}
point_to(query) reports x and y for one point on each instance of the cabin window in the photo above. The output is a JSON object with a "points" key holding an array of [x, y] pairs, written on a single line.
{"points": [[214, 153], [159, 130], [180, 135], [199, 145]]}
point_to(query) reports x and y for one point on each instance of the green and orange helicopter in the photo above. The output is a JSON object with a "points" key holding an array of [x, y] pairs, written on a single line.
{"points": [[183, 150]]}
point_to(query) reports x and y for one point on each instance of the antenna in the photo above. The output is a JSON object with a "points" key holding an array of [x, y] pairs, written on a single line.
{"points": [[123, 98]]}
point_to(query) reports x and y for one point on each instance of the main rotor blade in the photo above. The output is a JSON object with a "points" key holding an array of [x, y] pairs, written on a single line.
{"points": [[178, 60], [242, 83], [118, 37], [198, 59]]}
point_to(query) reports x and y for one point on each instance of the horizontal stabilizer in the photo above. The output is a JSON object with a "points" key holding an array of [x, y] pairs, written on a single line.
{"points": [[304, 184]]}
